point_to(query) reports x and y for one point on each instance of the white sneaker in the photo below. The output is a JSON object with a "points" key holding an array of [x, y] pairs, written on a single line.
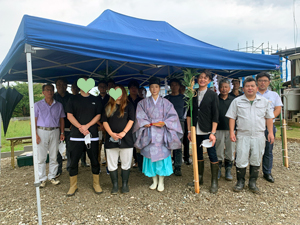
{"points": [[43, 184], [54, 181]]}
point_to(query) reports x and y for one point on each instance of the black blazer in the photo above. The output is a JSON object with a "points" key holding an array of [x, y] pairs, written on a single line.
{"points": [[207, 112]]}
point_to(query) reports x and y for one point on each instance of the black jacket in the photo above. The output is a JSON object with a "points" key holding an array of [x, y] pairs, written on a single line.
{"points": [[207, 112]]}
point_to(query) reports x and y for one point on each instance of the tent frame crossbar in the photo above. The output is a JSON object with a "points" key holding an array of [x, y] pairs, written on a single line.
{"points": [[54, 66], [125, 65], [67, 65], [42, 78], [117, 69], [152, 75]]}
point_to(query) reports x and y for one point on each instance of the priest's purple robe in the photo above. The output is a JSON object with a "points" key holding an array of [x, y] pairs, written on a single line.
{"points": [[156, 143]]}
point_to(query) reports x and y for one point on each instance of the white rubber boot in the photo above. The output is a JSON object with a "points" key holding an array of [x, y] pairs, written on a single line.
{"points": [[161, 185], [154, 185]]}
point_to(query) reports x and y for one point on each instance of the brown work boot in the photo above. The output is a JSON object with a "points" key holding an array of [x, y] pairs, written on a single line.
{"points": [[73, 186], [96, 185]]}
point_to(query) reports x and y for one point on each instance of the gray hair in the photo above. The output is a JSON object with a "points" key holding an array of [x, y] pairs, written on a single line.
{"points": [[224, 80]]}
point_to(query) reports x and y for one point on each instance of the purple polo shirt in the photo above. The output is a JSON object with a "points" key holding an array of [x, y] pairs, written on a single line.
{"points": [[48, 115]]}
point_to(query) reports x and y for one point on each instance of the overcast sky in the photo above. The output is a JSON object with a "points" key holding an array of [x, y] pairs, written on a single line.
{"points": [[225, 23]]}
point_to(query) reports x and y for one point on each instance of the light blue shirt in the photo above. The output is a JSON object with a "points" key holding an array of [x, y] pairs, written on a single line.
{"points": [[273, 98]]}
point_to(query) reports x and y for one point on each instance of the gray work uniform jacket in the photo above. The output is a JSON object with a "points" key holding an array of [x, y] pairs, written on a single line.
{"points": [[250, 119]]}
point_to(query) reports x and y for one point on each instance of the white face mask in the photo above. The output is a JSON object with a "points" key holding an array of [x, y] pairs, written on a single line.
{"points": [[87, 140]]}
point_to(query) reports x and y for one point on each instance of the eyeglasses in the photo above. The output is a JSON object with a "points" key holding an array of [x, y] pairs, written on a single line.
{"points": [[262, 81]]}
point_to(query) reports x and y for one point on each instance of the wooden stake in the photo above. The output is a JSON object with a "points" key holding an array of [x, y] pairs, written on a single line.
{"points": [[285, 150], [195, 160]]}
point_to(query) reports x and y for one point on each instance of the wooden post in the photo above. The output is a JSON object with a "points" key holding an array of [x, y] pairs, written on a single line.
{"points": [[12, 153], [195, 160], [285, 150]]}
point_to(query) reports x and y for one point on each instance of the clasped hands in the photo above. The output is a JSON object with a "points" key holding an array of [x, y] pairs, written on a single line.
{"points": [[117, 136], [84, 129]]}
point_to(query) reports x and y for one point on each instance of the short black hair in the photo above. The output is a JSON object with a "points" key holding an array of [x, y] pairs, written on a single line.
{"points": [[62, 79], [154, 80], [207, 73], [263, 74], [111, 81], [133, 83], [48, 84], [102, 82], [248, 79], [175, 80], [235, 79]]}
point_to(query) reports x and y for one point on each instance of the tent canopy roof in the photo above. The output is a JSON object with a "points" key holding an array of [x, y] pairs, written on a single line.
{"points": [[119, 47]]}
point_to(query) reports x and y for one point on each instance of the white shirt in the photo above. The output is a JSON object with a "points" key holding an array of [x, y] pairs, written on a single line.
{"points": [[200, 97], [273, 98]]}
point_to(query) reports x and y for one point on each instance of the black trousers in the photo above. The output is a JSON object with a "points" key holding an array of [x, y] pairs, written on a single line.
{"points": [[76, 150], [212, 153], [186, 143]]}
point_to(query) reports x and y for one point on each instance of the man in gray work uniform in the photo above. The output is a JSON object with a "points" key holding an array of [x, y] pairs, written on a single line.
{"points": [[252, 112]]}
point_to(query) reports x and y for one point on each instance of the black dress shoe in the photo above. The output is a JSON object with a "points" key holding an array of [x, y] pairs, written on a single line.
{"points": [[269, 178]]}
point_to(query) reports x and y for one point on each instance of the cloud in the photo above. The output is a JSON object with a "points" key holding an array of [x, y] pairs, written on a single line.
{"points": [[224, 23]]}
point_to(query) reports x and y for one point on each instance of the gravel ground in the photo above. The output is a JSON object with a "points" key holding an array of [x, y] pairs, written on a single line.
{"points": [[278, 203]]}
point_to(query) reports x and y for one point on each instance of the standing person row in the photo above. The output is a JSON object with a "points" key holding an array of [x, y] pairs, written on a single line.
{"points": [[205, 119], [50, 124], [84, 111], [223, 135], [158, 131], [179, 102], [251, 112], [117, 119], [263, 82]]}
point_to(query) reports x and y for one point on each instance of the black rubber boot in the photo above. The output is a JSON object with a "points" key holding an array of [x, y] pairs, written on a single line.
{"points": [[201, 171], [177, 171], [220, 169], [140, 161], [228, 166], [214, 177], [254, 170], [114, 181], [125, 177], [240, 176]]}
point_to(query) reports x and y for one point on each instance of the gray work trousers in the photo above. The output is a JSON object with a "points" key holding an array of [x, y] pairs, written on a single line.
{"points": [[249, 150], [223, 141]]}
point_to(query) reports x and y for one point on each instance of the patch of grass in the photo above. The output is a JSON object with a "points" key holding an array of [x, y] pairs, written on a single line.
{"points": [[294, 133], [15, 129]]}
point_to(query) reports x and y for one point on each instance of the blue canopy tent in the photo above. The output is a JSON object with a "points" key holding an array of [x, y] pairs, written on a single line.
{"points": [[117, 46], [120, 45]]}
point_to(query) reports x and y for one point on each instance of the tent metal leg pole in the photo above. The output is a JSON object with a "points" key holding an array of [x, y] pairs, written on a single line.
{"points": [[33, 131]]}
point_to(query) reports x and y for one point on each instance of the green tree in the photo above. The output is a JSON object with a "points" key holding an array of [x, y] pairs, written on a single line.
{"points": [[22, 109], [276, 81]]}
